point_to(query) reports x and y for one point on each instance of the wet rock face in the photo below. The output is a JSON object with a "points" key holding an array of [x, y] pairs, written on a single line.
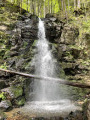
{"points": [[29, 30], [53, 28], [24, 37]]}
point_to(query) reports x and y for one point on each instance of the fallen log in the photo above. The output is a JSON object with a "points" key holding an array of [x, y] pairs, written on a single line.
{"points": [[61, 81]]}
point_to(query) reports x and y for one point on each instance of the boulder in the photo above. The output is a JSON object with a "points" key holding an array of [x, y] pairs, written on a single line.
{"points": [[5, 105], [19, 101], [3, 84], [86, 109], [62, 48], [13, 92], [2, 115], [69, 35], [76, 52], [2, 74], [34, 18], [77, 115], [13, 53], [29, 32], [49, 15]]}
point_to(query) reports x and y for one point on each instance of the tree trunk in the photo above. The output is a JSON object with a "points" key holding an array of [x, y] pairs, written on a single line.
{"points": [[65, 11], [62, 4], [33, 11], [61, 81], [51, 6], [44, 9], [27, 5], [74, 4], [59, 4], [78, 4], [68, 5], [48, 7], [20, 6]]}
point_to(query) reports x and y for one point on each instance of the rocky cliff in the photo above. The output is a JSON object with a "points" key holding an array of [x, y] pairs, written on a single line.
{"points": [[17, 48]]}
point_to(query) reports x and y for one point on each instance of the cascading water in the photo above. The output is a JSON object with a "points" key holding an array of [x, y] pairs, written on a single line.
{"points": [[48, 97], [44, 66]]}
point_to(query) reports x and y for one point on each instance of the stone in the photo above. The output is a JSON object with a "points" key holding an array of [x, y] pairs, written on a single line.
{"points": [[2, 115], [53, 19], [34, 18], [53, 29], [77, 115], [29, 32], [86, 109], [13, 53], [69, 35], [68, 65], [49, 15], [2, 84], [62, 48], [3, 27], [13, 92], [15, 48], [75, 53], [5, 105], [2, 74], [19, 63], [19, 101]]}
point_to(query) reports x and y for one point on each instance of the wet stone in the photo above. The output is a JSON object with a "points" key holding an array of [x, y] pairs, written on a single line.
{"points": [[4, 105]]}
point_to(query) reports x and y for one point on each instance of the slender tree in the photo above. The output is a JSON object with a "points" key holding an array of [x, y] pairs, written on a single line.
{"points": [[48, 7], [75, 4], [68, 5], [78, 4], [65, 10], [59, 4], [33, 11], [27, 5], [62, 5], [51, 6], [44, 9]]}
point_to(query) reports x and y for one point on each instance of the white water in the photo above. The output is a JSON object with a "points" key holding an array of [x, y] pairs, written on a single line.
{"points": [[44, 66], [48, 98]]}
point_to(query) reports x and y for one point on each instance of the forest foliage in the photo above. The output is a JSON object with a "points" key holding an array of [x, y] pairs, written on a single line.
{"points": [[42, 7]]}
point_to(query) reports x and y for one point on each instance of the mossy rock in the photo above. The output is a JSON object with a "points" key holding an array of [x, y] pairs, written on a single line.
{"points": [[2, 84], [5, 105], [2, 115], [2, 52], [20, 101], [86, 109], [17, 91]]}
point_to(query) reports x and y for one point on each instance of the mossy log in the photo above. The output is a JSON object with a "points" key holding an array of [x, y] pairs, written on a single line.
{"points": [[61, 81]]}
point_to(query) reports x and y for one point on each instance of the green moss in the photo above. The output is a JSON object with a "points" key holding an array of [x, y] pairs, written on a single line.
{"points": [[7, 54], [4, 66], [2, 52], [34, 43], [20, 101], [25, 44], [17, 91], [2, 96]]}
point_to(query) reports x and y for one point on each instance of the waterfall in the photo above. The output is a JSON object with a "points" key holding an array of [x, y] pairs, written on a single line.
{"points": [[48, 98], [44, 66]]}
